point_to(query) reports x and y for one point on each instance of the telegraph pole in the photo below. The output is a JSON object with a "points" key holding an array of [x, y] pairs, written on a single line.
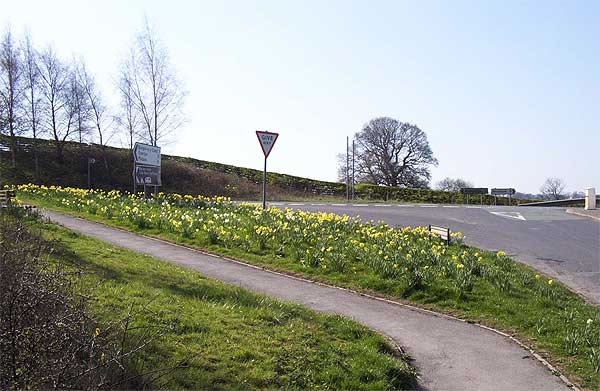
{"points": [[353, 180], [347, 170]]}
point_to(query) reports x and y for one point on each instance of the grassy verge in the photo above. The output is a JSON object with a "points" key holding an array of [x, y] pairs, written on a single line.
{"points": [[229, 338], [402, 264]]}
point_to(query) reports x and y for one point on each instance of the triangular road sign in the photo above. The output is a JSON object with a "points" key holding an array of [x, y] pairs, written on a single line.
{"points": [[267, 140]]}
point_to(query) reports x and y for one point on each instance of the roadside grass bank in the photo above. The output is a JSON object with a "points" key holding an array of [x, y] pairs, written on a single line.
{"points": [[188, 175], [224, 338], [404, 264]]}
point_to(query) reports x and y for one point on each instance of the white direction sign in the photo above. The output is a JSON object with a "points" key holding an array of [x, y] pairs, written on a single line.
{"points": [[267, 140], [145, 154]]}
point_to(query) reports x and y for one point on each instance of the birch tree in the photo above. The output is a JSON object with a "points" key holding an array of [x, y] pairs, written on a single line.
{"points": [[156, 93]]}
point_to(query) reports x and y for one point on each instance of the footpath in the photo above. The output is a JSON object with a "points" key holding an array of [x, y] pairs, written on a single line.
{"points": [[449, 354]]}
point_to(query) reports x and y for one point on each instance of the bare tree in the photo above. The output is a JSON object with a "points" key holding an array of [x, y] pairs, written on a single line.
{"points": [[553, 189], [98, 110], [32, 96], [342, 167], [11, 88], [59, 109], [78, 107], [128, 119], [157, 94], [578, 194], [393, 153], [453, 185]]}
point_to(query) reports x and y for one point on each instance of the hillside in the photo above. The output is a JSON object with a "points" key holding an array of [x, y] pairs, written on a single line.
{"points": [[185, 175]]}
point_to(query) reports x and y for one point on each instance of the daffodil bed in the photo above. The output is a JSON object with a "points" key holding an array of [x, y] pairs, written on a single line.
{"points": [[407, 264]]}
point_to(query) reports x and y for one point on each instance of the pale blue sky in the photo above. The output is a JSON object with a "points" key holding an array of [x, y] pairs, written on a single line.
{"points": [[507, 92]]}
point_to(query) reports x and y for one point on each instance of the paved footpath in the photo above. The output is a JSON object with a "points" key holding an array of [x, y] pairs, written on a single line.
{"points": [[449, 354]]}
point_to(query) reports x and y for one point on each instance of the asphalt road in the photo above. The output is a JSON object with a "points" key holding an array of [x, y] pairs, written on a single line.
{"points": [[564, 246], [449, 354]]}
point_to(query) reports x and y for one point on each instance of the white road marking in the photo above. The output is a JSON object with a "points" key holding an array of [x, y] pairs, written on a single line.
{"points": [[319, 204], [338, 204], [406, 206], [518, 216], [428, 206], [276, 203], [473, 207], [296, 204], [449, 206], [360, 205], [383, 205]]}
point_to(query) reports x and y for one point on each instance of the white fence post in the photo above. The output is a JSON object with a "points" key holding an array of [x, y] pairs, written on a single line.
{"points": [[590, 198]]}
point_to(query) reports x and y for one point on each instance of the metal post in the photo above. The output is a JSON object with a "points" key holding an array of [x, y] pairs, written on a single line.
{"points": [[353, 180], [89, 174], [509, 199], [347, 170], [265, 185]]}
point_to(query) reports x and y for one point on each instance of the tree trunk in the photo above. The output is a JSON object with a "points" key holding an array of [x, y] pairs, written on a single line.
{"points": [[59, 152]]}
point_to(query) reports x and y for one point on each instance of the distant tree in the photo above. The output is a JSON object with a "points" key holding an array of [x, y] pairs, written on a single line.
{"points": [[527, 196], [156, 93], [59, 109], [553, 189], [342, 173], [128, 118], [393, 153], [32, 96], [11, 89], [98, 111], [78, 106], [577, 194], [453, 185]]}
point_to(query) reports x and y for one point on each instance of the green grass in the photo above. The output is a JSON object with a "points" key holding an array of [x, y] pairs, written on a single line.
{"points": [[231, 339], [550, 318]]}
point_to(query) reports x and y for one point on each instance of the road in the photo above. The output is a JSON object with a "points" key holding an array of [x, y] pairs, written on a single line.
{"points": [[561, 245]]}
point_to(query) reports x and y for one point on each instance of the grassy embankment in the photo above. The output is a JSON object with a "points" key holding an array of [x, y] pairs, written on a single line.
{"points": [[222, 337], [185, 175], [402, 264]]}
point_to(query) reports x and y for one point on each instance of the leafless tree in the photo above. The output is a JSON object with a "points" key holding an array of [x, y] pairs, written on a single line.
{"points": [[78, 106], [578, 194], [157, 94], [553, 189], [98, 110], [32, 96], [128, 119], [393, 153], [59, 110], [11, 88], [453, 185]]}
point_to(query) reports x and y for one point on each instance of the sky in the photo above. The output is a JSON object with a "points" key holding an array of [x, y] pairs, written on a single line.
{"points": [[508, 92]]}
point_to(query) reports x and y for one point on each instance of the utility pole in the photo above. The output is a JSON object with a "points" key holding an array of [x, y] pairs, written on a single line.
{"points": [[347, 169], [353, 180]]}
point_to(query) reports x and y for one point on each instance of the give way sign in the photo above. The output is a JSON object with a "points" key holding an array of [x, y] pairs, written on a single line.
{"points": [[267, 140]]}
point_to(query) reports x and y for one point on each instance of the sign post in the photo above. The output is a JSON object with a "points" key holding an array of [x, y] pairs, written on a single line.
{"points": [[474, 190], [266, 140], [146, 166], [504, 191]]}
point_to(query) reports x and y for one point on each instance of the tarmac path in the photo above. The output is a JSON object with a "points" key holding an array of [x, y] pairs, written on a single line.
{"points": [[449, 354]]}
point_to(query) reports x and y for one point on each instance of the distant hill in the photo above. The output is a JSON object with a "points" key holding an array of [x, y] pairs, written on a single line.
{"points": [[113, 170]]}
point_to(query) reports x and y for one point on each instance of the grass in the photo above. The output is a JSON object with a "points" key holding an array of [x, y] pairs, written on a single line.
{"points": [[229, 338], [466, 282]]}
